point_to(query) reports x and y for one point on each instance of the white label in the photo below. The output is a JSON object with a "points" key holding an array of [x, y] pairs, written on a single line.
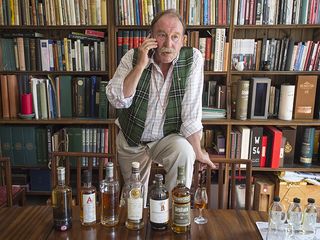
{"points": [[89, 207], [159, 211], [135, 208]]}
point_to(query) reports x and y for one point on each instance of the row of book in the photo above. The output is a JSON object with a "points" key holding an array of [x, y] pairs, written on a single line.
{"points": [[31, 145], [194, 12], [255, 98], [214, 94], [214, 48], [275, 146], [81, 139], [77, 52], [53, 12], [275, 55], [54, 97], [258, 12]]}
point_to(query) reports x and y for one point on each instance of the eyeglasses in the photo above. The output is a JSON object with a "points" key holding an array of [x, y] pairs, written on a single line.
{"points": [[162, 36]]}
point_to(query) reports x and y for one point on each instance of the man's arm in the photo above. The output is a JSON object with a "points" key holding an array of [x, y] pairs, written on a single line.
{"points": [[131, 81], [201, 154]]}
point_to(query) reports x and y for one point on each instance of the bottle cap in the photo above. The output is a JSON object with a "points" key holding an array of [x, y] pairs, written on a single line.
{"points": [[311, 200], [109, 164], [181, 170], [87, 176], [276, 199], [61, 173], [158, 177], [109, 170], [296, 200], [135, 165]]}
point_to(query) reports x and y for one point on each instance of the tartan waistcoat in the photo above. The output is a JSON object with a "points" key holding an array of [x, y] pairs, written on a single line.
{"points": [[132, 119]]}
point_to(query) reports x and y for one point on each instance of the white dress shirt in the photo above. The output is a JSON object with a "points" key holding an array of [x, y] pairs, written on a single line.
{"points": [[191, 110]]}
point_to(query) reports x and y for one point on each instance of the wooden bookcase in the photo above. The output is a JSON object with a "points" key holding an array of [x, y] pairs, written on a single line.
{"points": [[297, 32]]}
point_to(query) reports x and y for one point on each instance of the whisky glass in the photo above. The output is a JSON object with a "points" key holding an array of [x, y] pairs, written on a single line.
{"points": [[200, 202]]}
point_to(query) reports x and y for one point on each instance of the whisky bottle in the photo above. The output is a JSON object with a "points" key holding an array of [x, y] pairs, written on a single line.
{"points": [[87, 200], [180, 204], [62, 203], [134, 194], [109, 188], [159, 205]]}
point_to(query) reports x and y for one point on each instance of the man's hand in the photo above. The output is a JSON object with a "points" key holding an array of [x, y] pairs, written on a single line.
{"points": [[143, 50], [204, 158]]}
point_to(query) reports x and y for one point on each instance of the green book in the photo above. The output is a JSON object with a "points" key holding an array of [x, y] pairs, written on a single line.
{"points": [[103, 100], [30, 145], [65, 96], [6, 141], [18, 146]]}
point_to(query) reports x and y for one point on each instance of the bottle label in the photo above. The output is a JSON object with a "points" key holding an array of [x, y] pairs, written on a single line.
{"points": [[185, 199], [135, 208], [159, 211], [89, 207], [181, 215]]}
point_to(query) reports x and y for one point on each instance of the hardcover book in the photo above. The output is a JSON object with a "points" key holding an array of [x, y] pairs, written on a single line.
{"points": [[273, 147], [289, 146], [243, 98], [255, 145], [305, 96], [259, 97]]}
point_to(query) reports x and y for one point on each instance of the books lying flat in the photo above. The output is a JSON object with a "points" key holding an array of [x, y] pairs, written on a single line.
{"points": [[212, 113]]}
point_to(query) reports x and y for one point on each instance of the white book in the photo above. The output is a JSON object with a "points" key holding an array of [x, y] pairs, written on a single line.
{"points": [[245, 141], [34, 82], [83, 159], [242, 12], [102, 56], [286, 102], [289, 7], [77, 11], [98, 12], [236, 6], [73, 13], [51, 60], [45, 55], [293, 58], [86, 58]]}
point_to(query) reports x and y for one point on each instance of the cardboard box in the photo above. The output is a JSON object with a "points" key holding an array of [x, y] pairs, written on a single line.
{"points": [[263, 194], [288, 191]]}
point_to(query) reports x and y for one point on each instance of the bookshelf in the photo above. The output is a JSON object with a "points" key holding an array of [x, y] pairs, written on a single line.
{"points": [[233, 30], [56, 23]]}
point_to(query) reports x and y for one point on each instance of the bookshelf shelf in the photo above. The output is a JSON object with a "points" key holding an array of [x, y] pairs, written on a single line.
{"points": [[59, 121], [72, 73], [276, 73], [54, 27], [298, 168], [251, 122], [211, 73], [188, 27], [278, 26]]}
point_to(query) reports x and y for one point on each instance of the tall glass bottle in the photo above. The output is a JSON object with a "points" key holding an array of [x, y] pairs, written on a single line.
{"points": [[134, 199], [294, 216], [277, 217], [61, 197], [109, 188], [310, 218], [87, 200], [159, 205], [180, 204]]}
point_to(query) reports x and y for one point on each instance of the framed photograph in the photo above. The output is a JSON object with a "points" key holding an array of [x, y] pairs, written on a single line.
{"points": [[259, 97]]}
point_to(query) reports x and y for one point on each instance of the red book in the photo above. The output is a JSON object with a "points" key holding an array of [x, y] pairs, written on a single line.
{"points": [[94, 33], [274, 146], [263, 151]]}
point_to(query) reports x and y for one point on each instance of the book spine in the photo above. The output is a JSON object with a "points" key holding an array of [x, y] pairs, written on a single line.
{"points": [[243, 98]]}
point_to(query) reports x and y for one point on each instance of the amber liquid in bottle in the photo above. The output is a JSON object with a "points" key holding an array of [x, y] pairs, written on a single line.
{"points": [[180, 204], [62, 203], [87, 201], [109, 189]]}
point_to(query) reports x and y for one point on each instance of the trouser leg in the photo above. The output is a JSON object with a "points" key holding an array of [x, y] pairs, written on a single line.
{"points": [[172, 151], [127, 155]]}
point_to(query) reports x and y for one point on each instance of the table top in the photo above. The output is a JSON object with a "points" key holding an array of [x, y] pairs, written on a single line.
{"points": [[35, 222]]}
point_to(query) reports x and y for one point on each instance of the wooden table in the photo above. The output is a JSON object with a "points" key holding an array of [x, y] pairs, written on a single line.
{"points": [[35, 222]]}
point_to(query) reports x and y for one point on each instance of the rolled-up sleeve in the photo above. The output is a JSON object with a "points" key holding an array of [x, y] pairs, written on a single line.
{"points": [[191, 112], [114, 89]]}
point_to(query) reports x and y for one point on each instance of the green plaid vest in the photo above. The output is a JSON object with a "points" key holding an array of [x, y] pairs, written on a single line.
{"points": [[132, 119]]}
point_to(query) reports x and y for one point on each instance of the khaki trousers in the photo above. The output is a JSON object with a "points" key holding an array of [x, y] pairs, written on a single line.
{"points": [[171, 151]]}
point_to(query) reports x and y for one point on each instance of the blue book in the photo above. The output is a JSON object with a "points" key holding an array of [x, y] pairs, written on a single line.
{"points": [[205, 12]]}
